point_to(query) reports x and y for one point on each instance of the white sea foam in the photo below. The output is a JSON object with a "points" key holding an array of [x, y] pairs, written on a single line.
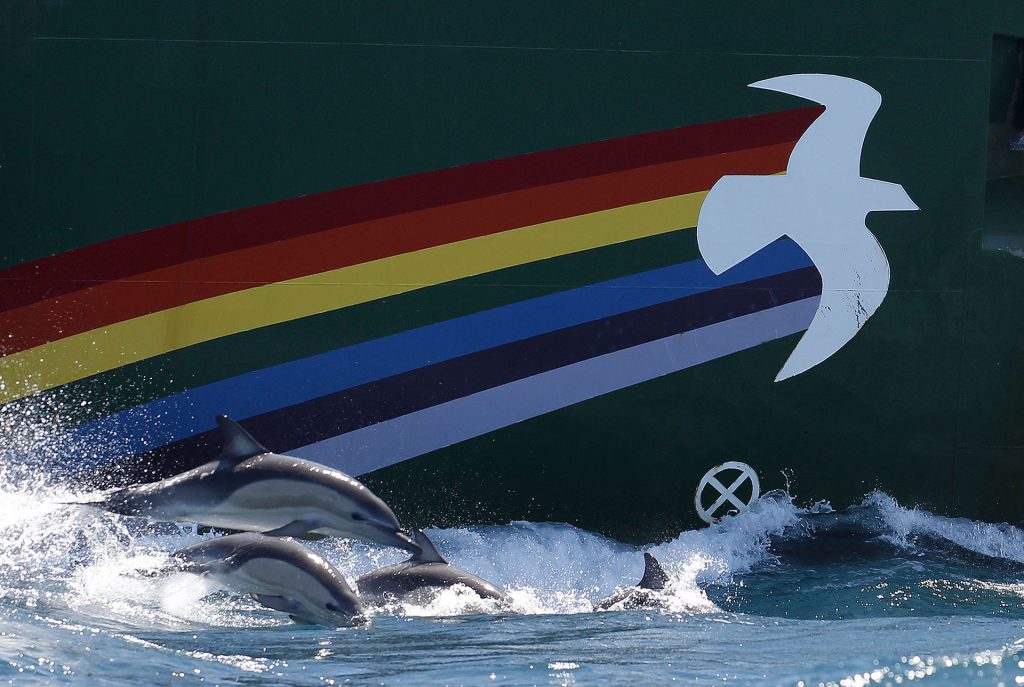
{"points": [[905, 524], [106, 566], [558, 568]]}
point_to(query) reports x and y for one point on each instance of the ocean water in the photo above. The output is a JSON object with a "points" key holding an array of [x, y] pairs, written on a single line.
{"points": [[784, 594]]}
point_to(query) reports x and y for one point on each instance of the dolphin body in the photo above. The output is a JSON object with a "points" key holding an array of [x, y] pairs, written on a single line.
{"points": [[278, 573], [425, 572], [646, 594], [249, 488]]}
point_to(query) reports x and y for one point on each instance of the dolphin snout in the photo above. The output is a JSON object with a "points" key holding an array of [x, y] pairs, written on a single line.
{"points": [[391, 535], [410, 545]]}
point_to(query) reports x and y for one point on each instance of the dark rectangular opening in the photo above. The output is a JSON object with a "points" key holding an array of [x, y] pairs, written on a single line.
{"points": [[1004, 184]]}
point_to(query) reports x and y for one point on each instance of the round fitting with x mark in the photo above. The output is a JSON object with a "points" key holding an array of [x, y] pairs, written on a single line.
{"points": [[722, 499]]}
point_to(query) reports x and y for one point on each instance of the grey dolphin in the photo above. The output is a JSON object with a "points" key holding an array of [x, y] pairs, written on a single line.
{"points": [[249, 488], [646, 594], [278, 573], [425, 571]]}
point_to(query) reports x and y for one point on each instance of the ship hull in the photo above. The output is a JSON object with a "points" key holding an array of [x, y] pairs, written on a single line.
{"points": [[458, 255]]}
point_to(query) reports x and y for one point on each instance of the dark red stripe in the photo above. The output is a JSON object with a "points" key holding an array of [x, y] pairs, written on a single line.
{"points": [[208, 236]]}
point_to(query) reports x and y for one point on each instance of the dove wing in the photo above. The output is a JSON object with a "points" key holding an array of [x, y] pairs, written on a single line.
{"points": [[740, 216], [854, 282], [832, 145]]}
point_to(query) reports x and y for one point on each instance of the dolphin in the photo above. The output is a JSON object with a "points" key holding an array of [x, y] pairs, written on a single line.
{"points": [[646, 594], [278, 573], [249, 488], [426, 571]]}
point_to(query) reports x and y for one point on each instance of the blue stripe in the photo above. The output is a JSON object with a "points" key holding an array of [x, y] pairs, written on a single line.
{"points": [[180, 415]]}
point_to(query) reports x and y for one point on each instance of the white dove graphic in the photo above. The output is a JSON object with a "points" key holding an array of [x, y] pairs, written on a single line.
{"points": [[821, 203]]}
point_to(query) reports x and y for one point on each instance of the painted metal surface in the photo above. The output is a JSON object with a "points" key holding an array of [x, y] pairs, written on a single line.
{"points": [[465, 248]]}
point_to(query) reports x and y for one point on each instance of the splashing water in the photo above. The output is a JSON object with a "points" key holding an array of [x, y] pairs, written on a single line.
{"points": [[875, 594]]}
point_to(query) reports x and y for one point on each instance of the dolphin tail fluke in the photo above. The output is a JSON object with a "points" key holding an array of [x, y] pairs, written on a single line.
{"points": [[654, 576], [88, 500], [237, 444], [165, 570], [120, 501], [428, 552]]}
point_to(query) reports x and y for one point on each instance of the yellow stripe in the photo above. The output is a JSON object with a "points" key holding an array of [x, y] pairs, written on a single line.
{"points": [[106, 348]]}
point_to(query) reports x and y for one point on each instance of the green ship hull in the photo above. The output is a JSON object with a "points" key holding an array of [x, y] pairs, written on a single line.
{"points": [[456, 250]]}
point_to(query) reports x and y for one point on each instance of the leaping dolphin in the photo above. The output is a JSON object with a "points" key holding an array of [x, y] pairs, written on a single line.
{"points": [[425, 572], [646, 594], [249, 488], [278, 573], [821, 203]]}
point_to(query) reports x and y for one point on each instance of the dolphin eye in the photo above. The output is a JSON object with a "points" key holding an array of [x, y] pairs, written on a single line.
{"points": [[358, 516], [330, 606]]}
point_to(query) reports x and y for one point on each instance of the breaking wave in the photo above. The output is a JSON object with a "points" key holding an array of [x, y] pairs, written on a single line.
{"points": [[76, 560], [76, 581]]}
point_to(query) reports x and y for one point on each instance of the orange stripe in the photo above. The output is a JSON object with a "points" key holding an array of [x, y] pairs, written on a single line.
{"points": [[170, 287]]}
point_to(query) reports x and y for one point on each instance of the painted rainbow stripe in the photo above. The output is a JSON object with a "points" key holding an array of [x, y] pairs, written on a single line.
{"points": [[423, 366], [393, 441], [88, 312]]}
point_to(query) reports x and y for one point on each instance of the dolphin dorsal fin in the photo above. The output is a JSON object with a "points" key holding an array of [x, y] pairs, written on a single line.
{"points": [[654, 577], [428, 552], [237, 444]]}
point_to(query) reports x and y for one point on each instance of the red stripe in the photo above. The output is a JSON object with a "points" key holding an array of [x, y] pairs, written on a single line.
{"points": [[119, 300], [208, 236]]}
